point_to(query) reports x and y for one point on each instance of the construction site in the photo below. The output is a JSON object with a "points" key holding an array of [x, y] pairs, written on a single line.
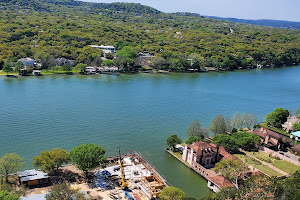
{"points": [[127, 177]]}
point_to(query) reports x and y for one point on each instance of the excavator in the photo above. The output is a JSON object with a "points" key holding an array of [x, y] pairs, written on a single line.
{"points": [[122, 182]]}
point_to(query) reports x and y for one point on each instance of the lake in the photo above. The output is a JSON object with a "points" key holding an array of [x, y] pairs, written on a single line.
{"points": [[134, 111]]}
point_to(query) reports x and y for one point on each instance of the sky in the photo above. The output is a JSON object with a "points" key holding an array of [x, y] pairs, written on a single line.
{"points": [[243, 9]]}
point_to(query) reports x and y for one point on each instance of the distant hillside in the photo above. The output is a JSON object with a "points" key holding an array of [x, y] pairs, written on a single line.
{"points": [[264, 22], [47, 29]]}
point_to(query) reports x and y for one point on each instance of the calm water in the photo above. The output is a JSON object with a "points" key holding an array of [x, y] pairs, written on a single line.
{"points": [[137, 112]]}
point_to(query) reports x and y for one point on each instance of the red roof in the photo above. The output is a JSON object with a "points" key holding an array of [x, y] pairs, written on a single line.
{"points": [[296, 148], [262, 132], [221, 181]]}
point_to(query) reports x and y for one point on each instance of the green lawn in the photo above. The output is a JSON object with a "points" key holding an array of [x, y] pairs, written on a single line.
{"points": [[10, 73], [50, 71], [280, 164], [178, 155], [286, 166], [262, 156], [258, 165]]}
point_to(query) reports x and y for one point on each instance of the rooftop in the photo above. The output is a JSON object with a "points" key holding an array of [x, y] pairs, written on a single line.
{"points": [[296, 148], [297, 133], [32, 174], [221, 181], [101, 46]]}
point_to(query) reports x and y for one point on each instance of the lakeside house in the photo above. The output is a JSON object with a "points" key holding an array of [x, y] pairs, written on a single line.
{"points": [[144, 60], [273, 140], [202, 157], [27, 62], [33, 178], [288, 125], [105, 49]]}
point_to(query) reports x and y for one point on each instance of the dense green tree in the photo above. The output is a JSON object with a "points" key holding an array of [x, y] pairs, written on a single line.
{"points": [[80, 67], [231, 169], [172, 193], [193, 139], [1, 64], [125, 58], [256, 187], [5, 195], [19, 66], [277, 117], [64, 192], [67, 67], [228, 142], [236, 120], [108, 63], [218, 125], [10, 163], [197, 61], [194, 129], [7, 68], [158, 63], [243, 140], [87, 156], [173, 140], [51, 160], [296, 126], [289, 188]]}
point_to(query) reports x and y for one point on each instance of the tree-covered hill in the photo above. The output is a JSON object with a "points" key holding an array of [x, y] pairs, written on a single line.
{"points": [[64, 28]]}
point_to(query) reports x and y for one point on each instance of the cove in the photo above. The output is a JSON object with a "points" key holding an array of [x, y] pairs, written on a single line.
{"points": [[134, 111]]}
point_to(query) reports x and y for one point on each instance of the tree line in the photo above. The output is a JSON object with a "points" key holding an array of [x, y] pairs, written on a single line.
{"points": [[47, 30]]}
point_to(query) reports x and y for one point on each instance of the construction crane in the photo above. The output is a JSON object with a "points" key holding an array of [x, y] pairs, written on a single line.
{"points": [[122, 182]]}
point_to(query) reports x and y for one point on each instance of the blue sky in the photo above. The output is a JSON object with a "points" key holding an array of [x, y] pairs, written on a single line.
{"points": [[244, 9]]}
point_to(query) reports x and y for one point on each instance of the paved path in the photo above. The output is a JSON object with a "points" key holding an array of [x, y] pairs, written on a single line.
{"points": [[265, 163]]}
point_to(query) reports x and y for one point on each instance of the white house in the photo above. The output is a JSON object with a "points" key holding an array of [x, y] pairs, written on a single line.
{"points": [[105, 49]]}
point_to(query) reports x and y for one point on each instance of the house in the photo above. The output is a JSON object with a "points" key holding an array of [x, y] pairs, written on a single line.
{"points": [[273, 140], [202, 156], [296, 136], [216, 183], [62, 61], [27, 62], [296, 149], [105, 49], [144, 59], [33, 178], [288, 125], [205, 154]]}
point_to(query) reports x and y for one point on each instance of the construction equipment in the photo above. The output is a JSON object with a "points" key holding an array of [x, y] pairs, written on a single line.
{"points": [[122, 182]]}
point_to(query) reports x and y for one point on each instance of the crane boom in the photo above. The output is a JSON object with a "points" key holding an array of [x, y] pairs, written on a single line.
{"points": [[122, 182]]}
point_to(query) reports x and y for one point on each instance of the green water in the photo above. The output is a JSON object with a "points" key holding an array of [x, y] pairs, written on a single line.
{"points": [[136, 112]]}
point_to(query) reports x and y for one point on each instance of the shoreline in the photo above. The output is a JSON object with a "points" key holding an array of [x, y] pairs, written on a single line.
{"points": [[15, 75]]}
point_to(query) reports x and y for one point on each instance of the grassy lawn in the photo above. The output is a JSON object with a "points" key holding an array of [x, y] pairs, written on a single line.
{"points": [[50, 71], [258, 165], [286, 166], [10, 73], [262, 156], [280, 164], [178, 155]]}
